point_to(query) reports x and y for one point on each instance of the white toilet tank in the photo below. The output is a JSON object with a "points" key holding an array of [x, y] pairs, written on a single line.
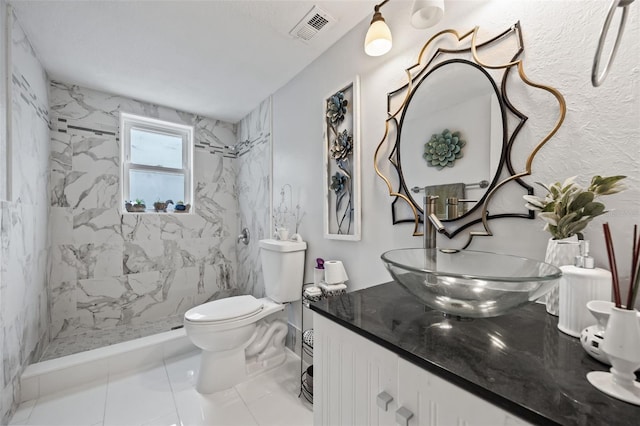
{"points": [[283, 269]]}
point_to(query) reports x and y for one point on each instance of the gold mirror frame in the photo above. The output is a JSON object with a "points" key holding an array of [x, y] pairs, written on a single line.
{"points": [[418, 71]]}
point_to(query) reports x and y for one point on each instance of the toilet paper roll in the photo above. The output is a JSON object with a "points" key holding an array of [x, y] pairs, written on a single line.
{"points": [[334, 272]]}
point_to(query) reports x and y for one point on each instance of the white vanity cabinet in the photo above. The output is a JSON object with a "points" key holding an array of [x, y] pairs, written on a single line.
{"points": [[349, 373], [354, 377]]}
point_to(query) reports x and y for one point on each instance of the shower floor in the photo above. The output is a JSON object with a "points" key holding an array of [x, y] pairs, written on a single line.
{"points": [[95, 339]]}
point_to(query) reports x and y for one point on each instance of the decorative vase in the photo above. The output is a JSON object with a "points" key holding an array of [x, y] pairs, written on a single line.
{"points": [[577, 287], [622, 346], [559, 253]]}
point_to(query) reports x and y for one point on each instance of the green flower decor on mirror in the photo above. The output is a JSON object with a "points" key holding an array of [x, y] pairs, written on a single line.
{"points": [[568, 208], [342, 204], [443, 149]]}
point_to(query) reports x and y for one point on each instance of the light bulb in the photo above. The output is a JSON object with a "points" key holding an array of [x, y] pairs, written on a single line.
{"points": [[378, 40], [426, 13]]}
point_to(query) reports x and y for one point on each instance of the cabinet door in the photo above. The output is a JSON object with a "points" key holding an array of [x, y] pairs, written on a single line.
{"points": [[434, 401], [349, 373]]}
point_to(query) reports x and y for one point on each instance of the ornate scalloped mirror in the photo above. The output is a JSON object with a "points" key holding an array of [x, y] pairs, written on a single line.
{"points": [[451, 129]]}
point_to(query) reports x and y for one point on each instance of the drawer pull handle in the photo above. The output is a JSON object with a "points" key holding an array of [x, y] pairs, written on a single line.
{"points": [[402, 416], [383, 400]]}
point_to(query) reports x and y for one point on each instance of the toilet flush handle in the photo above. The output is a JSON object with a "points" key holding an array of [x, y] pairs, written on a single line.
{"points": [[244, 237]]}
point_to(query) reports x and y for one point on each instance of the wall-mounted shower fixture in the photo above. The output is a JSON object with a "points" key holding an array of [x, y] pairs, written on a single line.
{"points": [[244, 236], [235, 149]]}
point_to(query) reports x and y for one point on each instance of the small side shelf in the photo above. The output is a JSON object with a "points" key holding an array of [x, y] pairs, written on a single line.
{"points": [[306, 388], [307, 341], [308, 300], [306, 380]]}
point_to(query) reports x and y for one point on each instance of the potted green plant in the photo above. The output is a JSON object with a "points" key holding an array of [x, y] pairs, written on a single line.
{"points": [[567, 209], [136, 206], [161, 206], [181, 207]]}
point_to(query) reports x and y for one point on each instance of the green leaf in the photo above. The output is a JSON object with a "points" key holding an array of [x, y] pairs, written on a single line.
{"points": [[593, 209], [581, 200], [569, 181], [564, 221], [554, 231], [576, 227], [606, 185], [532, 199], [561, 208], [544, 186], [550, 218]]}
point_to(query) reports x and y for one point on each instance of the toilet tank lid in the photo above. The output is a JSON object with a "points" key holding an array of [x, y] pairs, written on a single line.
{"points": [[224, 309], [284, 246]]}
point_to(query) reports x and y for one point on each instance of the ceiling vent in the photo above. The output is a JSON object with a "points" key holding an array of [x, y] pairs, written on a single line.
{"points": [[313, 22]]}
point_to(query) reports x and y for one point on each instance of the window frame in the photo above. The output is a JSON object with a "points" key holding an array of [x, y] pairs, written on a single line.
{"points": [[130, 122]]}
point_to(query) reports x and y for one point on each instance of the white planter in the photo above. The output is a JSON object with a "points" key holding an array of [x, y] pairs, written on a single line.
{"points": [[559, 253]]}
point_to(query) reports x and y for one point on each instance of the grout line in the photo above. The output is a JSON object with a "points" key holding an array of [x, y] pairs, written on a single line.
{"points": [[255, 418], [173, 395], [106, 398]]}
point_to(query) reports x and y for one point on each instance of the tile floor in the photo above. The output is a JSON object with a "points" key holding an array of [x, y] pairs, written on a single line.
{"points": [[165, 395]]}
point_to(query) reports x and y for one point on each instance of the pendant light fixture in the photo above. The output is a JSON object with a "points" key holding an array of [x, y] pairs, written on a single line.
{"points": [[378, 39], [426, 13]]}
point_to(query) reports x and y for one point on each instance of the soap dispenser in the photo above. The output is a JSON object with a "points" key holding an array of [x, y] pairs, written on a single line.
{"points": [[580, 283]]}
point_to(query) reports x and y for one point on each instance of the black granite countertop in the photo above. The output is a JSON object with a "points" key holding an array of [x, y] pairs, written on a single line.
{"points": [[520, 362]]}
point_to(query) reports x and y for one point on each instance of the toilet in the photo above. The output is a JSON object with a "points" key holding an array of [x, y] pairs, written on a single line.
{"points": [[231, 330]]}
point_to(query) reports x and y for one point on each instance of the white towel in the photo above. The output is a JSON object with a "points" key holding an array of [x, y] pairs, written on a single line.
{"points": [[312, 291], [330, 288]]}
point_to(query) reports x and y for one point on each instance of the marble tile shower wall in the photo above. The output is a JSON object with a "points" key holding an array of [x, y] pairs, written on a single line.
{"points": [[254, 193], [108, 268], [24, 314]]}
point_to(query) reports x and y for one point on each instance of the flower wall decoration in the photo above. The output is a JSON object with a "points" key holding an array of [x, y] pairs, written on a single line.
{"points": [[342, 146], [338, 182], [342, 185], [336, 108], [443, 149]]}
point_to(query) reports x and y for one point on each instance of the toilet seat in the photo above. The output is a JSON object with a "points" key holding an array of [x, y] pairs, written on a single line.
{"points": [[225, 310], [252, 312]]}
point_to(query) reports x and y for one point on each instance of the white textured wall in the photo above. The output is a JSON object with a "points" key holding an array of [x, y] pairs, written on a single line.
{"points": [[601, 133], [24, 313]]}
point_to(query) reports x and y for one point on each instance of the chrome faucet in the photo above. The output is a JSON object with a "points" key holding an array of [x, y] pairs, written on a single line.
{"points": [[431, 221], [453, 206]]}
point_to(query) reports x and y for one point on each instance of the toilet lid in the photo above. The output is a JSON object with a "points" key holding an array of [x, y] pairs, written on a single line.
{"points": [[225, 309]]}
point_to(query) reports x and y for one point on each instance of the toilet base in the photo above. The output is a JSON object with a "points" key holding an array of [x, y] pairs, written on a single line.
{"points": [[221, 370]]}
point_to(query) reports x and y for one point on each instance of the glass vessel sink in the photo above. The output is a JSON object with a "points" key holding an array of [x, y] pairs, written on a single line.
{"points": [[472, 284]]}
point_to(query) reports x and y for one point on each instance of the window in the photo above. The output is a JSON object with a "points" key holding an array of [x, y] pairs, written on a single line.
{"points": [[156, 160]]}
